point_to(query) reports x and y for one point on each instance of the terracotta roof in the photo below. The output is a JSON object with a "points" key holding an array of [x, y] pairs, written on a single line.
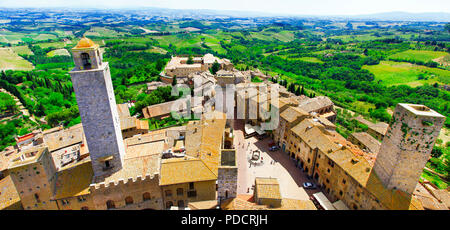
{"points": [[245, 202], [162, 109], [380, 127], [142, 158], [267, 188], [204, 139], [199, 205], [8, 193], [133, 167], [184, 170], [354, 164], [25, 137], [314, 104], [6, 157], [63, 138], [74, 181], [123, 110], [292, 113], [367, 140]]}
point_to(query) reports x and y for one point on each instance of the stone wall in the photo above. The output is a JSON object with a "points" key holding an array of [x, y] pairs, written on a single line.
{"points": [[100, 119], [119, 191], [35, 183], [407, 146], [227, 182]]}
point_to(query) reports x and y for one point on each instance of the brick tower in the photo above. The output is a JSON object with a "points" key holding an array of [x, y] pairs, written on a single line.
{"points": [[92, 84], [407, 146]]}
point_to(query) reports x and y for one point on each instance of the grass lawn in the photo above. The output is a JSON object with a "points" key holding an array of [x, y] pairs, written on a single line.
{"points": [[418, 55], [11, 61], [398, 73]]}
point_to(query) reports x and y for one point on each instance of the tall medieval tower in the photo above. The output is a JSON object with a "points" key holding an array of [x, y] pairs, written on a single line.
{"points": [[92, 84], [407, 146]]}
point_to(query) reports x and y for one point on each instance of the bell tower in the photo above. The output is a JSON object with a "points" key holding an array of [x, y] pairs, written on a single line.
{"points": [[92, 84]]}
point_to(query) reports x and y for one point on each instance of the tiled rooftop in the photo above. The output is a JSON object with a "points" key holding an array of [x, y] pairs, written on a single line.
{"points": [[267, 188], [184, 170]]}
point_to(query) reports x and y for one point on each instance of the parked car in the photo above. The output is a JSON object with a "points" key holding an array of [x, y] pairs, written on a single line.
{"points": [[309, 185], [274, 148]]}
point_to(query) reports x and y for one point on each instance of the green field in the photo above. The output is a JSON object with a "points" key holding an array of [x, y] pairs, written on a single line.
{"points": [[22, 50], [418, 55], [57, 45], [58, 52], [402, 73], [102, 32], [11, 61], [308, 59]]}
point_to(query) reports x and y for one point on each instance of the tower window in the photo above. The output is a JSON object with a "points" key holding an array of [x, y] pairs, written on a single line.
{"points": [[36, 196], [86, 61]]}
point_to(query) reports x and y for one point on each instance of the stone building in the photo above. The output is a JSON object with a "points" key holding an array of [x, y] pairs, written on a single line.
{"points": [[365, 142], [129, 125], [266, 196], [377, 130], [33, 175], [267, 192], [346, 173], [97, 105], [407, 146], [138, 177], [178, 67], [321, 106]]}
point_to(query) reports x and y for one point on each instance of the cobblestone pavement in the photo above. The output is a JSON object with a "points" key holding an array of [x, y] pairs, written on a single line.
{"points": [[275, 164]]}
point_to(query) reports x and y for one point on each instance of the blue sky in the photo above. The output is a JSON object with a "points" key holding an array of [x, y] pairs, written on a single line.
{"points": [[312, 7]]}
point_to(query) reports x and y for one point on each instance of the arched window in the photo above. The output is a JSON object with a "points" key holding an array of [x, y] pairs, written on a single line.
{"points": [[169, 204], [128, 200], [226, 194], [146, 196], [84, 208], [86, 61], [110, 204]]}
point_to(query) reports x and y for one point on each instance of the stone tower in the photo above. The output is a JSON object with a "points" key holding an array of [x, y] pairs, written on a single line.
{"points": [[92, 84], [227, 175], [34, 176], [407, 146]]}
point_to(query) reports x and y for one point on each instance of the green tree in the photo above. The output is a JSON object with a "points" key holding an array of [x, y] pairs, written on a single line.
{"points": [[190, 60], [174, 81], [215, 67]]}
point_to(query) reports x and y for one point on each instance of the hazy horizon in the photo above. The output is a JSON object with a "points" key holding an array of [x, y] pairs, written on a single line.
{"points": [[288, 7]]}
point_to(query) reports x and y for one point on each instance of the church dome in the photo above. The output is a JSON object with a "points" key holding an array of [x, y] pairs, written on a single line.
{"points": [[85, 43]]}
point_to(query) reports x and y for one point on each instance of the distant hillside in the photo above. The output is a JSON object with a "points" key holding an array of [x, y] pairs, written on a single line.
{"points": [[405, 16]]}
